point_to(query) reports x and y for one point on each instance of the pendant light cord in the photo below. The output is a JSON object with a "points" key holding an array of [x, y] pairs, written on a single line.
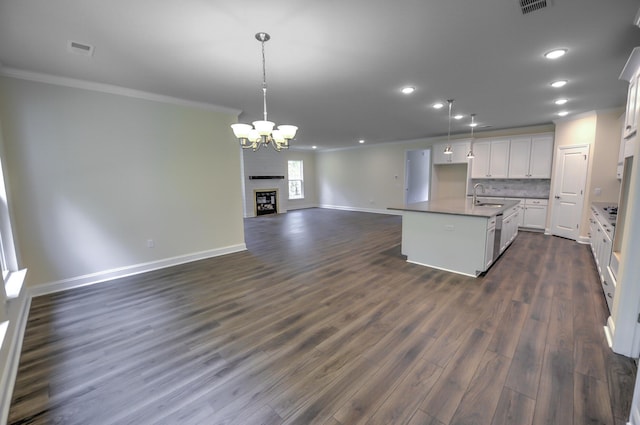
{"points": [[449, 133], [264, 82]]}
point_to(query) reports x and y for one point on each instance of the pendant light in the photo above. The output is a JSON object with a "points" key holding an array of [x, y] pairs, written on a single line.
{"points": [[262, 132], [472, 125], [448, 150]]}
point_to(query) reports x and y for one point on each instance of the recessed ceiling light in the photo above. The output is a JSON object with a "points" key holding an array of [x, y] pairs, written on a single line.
{"points": [[458, 117], [559, 83], [361, 141], [561, 101], [563, 113], [555, 54], [473, 124], [408, 90], [314, 147], [438, 105]]}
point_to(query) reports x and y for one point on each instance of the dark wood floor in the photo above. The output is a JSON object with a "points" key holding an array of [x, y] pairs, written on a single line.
{"points": [[322, 321]]}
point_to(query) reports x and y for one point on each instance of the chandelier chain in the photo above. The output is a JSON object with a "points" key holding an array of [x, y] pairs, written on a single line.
{"points": [[264, 81], [450, 101]]}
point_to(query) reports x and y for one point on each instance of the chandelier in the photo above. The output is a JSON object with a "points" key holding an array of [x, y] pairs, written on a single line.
{"points": [[262, 132]]}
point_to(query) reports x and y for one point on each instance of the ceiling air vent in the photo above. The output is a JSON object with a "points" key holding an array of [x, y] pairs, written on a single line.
{"points": [[529, 6], [80, 48]]}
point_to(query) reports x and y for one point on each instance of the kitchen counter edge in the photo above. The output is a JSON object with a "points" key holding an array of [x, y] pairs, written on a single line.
{"points": [[457, 207]]}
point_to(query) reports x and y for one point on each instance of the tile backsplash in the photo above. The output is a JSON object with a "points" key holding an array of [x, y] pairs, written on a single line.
{"points": [[517, 188]]}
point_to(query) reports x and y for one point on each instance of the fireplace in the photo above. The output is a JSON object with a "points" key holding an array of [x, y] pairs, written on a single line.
{"points": [[266, 201]]}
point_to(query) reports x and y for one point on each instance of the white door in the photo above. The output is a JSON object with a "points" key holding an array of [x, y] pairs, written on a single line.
{"points": [[568, 190], [417, 176]]}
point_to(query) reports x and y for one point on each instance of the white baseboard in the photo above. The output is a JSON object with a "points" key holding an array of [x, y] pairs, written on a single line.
{"points": [[584, 240], [367, 210], [609, 330], [106, 275], [18, 314]]}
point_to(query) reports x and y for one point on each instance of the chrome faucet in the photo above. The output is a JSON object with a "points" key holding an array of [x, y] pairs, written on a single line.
{"points": [[475, 195]]}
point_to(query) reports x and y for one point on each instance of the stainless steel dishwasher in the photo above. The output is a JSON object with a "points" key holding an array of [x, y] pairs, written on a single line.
{"points": [[498, 236]]}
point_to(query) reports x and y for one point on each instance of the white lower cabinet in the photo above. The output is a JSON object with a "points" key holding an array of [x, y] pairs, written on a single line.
{"points": [[535, 213], [509, 227], [600, 233]]}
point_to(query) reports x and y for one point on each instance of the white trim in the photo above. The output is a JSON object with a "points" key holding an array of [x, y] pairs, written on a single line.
{"points": [[301, 206], [584, 240], [17, 327], [111, 89], [366, 210], [443, 269], [106, 275], [609, 331]]}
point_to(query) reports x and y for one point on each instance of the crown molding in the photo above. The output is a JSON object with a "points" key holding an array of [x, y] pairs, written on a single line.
{"points": [[111, 89]]}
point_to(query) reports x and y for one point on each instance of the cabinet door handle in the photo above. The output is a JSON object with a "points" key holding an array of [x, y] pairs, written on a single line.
{"points": [[609, 295], [605, 282], [557, 197]]}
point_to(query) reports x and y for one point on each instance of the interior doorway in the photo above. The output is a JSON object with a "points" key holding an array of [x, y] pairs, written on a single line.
{"points": [[568, 190], [417, 176]]}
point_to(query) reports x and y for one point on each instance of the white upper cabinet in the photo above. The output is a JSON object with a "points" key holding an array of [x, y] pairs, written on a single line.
{"points": [[631, 73], [459, 155], [530, 157], [630, 118], [491, 159]]}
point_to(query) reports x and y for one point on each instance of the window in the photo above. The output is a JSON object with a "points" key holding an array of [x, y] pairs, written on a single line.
{"points": [[296, 180]]}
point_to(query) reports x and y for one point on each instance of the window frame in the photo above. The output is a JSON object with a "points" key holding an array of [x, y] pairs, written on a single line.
{"points": [[300, 180]]}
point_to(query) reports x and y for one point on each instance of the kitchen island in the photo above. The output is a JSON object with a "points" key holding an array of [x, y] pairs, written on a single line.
{"points": [[457, 235]]}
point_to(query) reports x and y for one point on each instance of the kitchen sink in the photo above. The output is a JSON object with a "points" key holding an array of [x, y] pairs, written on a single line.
{"points": [[488, 204]]}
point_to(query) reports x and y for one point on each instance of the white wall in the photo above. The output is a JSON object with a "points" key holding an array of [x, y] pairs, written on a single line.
{"points": [[605, 156], [310, 182], [268, 162], [365, 179], [602, 132], [93, 176], [371, 177]]}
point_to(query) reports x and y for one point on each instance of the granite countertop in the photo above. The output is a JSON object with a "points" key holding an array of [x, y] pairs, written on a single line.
{"points": [[457, 207], [483, 195], [600, 208]]}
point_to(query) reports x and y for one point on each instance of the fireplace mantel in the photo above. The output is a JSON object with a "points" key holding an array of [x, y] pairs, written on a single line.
{"points": [[266, 177]]}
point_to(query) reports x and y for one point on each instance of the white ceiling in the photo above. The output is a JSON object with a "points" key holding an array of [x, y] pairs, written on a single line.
{"points": [[335, 68]]}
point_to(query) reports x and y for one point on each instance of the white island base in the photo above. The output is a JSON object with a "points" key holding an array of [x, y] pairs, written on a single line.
{"points": [[456, 236]]}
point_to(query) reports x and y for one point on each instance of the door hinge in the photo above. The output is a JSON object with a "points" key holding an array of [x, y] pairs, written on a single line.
{"points": [[585, 157], [638, 317]]}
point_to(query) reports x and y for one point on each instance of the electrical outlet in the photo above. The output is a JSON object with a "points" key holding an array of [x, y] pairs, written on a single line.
{"points": [[598, 191], [150, 243]]}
